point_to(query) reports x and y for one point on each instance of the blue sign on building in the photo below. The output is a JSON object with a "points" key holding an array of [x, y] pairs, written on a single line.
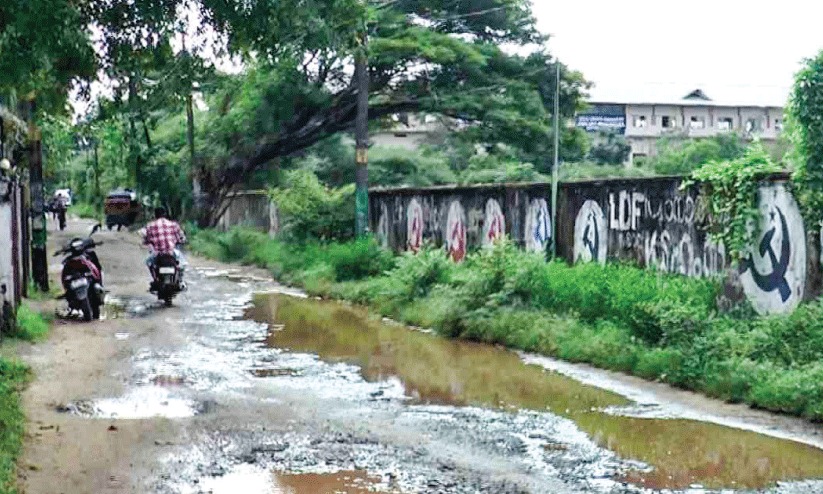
{"points": [[610, 118]]}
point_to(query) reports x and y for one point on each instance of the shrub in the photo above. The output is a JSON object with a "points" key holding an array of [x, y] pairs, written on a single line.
{"points": [[358, 259], [310, 210]]}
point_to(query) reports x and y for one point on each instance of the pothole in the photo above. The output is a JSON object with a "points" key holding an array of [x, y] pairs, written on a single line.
{"points": [[277, 372], [144, 402]]}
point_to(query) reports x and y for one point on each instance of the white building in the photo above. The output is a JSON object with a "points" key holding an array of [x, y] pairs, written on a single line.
{"points": [[644, 119], [409, 131]]}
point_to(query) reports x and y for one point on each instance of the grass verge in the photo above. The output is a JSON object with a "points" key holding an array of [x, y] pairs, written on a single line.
{"points": [[654, 325], [14, 376]]}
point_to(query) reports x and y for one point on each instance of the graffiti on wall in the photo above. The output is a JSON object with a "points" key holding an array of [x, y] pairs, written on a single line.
{"points": [[494, 225], [590, 234], [456, 232], [538, 226], [774, 274], [664, 230], [414, 226], [651, 222]]}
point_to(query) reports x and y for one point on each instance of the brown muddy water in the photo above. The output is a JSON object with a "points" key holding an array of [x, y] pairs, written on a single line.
{"points": [[436, 370], [349, 482]]}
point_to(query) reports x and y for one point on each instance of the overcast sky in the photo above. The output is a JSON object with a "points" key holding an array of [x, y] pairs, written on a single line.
{"points": [[700, 43]]}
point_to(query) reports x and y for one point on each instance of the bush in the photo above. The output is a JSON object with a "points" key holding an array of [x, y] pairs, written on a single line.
{"points": [[611, 149], [358, 259], [311, 211], [681, 156]]}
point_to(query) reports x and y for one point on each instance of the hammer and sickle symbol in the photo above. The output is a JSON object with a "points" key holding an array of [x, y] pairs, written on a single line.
{"points": [[592, 245], [776, 280]]}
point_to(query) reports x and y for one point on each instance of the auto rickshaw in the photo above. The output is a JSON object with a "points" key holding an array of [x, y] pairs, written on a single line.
{"points": [[121, 208]]}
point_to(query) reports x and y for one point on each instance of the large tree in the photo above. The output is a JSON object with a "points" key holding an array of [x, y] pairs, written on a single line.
{"points": [[460, 59], [433, 56]]}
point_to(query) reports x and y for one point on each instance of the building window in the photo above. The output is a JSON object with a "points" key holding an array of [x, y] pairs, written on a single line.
{"points": [[778, 124], [753, 125], [640, 121], [697, 123], [666, 122], [725, 123]]}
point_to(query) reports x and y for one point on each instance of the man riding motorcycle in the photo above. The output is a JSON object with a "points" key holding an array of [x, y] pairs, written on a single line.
{"points": [[163, 236]]}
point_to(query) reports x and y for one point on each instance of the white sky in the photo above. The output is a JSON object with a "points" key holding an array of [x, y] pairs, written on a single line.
{"points": [[621, 45]]}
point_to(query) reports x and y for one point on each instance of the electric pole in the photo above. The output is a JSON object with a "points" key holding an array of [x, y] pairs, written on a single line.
{"points": [[39, 260], [361, 76], [556, 157], [198, 202]]}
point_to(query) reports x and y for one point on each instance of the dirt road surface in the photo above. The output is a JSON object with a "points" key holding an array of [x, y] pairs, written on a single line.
{"points": [[231, 391]]}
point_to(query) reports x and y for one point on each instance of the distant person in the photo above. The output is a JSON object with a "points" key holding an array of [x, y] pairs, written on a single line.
{"points": [[163, 236], [60, 206]]}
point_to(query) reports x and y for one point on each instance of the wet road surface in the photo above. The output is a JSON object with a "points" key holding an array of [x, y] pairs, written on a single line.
{"points": [[260, 390]]}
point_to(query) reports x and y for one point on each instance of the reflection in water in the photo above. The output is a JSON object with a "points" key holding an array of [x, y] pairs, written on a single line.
{"points": [[441, 371], [310, 483]]}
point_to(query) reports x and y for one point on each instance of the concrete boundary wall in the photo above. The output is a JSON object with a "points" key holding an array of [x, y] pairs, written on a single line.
{"points": [[253, 209], [653, 222]]}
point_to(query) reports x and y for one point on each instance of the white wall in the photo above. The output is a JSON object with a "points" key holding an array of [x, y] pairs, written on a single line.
{"points": [[6, 261]]}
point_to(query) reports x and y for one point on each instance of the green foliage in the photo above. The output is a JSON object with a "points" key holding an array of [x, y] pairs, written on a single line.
{"points": [[586, 171], [31, 325], [13, 376], [310, 210], [399, 166], [494, 168], [732, 191], [86, 210], [805, 130], [44, 46], [611, 149], [681, 156], [352, 260]]}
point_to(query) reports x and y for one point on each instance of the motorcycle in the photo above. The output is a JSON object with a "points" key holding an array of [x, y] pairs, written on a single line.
{"points": [[82, 276], [168, 278]]}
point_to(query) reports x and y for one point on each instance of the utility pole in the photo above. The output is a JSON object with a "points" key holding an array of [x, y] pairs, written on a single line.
{"points": [[39, 260], [361, 76], [97, 195], [556, 157], [197, 191]]}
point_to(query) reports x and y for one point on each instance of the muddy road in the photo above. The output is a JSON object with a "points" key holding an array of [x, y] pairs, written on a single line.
{"points": [[247, 387]]}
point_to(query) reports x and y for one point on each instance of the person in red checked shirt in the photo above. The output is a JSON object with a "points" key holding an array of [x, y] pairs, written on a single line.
{"points": [[163, 236]]}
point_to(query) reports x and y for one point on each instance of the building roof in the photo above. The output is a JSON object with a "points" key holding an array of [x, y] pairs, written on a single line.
{"points": [[682, 95]]}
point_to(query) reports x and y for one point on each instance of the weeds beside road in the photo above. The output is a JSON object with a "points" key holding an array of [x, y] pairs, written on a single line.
{"points": [[654, 325], [31, 326]]}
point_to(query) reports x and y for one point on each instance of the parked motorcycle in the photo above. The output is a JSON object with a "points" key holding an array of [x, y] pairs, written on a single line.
{"points": [[168, 278], [82, 276]]}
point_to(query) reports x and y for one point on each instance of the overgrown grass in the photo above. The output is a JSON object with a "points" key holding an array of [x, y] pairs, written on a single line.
{"points": [[654, 325], [31, 326], [13, 377]]}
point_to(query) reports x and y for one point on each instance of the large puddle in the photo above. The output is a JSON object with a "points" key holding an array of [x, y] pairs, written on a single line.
{"points": [[435, 370], [245, 478]]}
